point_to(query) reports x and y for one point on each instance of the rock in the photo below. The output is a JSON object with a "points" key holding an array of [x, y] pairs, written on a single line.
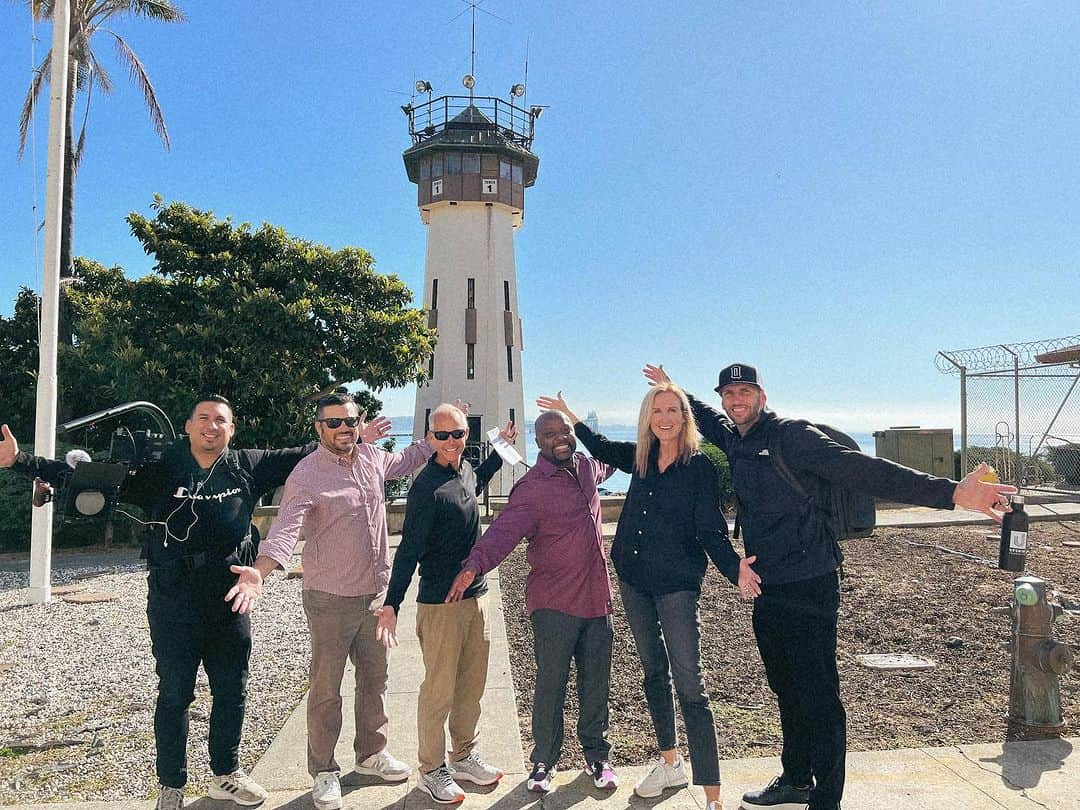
{"points": [[895, 662], [89, 598], [62, 590], [954, 642]]}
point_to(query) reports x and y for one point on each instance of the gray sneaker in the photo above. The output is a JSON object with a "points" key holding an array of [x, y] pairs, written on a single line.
{"points": [[440, 785], [661, 777], [385, 766], [475, 770], [237, 787], [170, 798]]}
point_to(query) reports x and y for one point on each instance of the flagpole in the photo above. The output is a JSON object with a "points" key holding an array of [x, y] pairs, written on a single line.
{"points": [[45, 425]]}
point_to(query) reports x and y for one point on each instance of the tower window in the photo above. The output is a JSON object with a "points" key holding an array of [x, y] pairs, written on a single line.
{"points": [[453, 163], [436, 167], [515, 174], [504, 170], [434, 293], [512, 417], [470, 163], [506, 295], [471, 294], [431, 367], [510, 363], [425, 170], [470, 361], [427, 420]]}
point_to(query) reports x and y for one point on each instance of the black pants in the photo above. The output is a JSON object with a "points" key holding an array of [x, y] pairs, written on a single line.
{"points": [[179, 647], [557, 638], [795, 627]]}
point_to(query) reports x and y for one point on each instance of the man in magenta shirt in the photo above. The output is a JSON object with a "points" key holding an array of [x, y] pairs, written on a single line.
{"points": [[555, 507]]}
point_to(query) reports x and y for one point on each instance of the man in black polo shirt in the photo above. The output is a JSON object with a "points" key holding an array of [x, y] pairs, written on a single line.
{"points": [[442, 523], [798, 600]]}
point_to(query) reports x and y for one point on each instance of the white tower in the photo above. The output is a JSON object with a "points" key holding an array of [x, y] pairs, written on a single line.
{"points": [[471, 162]]}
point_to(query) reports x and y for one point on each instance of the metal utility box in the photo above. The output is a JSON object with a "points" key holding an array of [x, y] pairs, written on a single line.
{"points": [[927, 449]]}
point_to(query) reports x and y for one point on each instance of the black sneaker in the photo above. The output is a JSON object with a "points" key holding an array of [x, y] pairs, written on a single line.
{"points": [[780, 794]]}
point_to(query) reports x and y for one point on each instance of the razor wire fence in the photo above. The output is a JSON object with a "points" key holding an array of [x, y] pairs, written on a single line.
{"points": [[1020, 410]]}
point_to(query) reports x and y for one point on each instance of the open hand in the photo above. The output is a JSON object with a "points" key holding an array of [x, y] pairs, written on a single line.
{"points": [[386, 630], [247, 590], [655, 374], [749, 581], [509, 433], [377, 428], [557, 403], [982, 496], [461, 584]]}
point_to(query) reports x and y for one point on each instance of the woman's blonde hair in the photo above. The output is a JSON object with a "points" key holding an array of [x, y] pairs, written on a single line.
{"points": [[688, 437]]}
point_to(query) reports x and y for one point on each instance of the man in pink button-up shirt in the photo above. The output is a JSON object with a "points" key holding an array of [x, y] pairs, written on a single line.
{"points": [[334, 498]]}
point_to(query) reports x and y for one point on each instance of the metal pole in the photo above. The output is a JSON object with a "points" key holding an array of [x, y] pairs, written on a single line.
{"points": [[45, 425], [1017, 471], [963, 416]]}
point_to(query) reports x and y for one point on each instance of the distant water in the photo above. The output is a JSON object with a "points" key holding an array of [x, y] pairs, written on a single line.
{"points": [[620, 481]]}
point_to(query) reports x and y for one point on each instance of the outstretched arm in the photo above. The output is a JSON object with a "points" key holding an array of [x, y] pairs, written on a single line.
{"points": [[982, 496], [557, 403]]}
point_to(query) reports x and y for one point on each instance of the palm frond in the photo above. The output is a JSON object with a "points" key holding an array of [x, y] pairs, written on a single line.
{"points": [[162, 10], [138, 75], [33, 93], [101, 73]]}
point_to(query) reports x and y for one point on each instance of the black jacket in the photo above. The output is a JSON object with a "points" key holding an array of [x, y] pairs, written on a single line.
{"points": [[789, 536], [200, 521], [669, 522], [442, 524]]}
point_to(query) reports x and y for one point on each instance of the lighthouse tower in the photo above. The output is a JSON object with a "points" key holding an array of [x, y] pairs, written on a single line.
{"points": [[471, 161]]}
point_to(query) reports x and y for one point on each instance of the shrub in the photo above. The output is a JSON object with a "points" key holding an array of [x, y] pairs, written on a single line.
{"points": [[723, 469]]}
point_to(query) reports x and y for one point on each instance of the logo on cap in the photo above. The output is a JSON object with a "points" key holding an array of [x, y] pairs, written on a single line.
{"points": [[736, 372]]}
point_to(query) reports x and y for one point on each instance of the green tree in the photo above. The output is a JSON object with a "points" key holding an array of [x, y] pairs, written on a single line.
{"points": [[723, 470], [89, 18], [267, 319]]}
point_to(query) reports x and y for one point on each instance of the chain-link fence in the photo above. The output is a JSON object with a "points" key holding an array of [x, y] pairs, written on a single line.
{"points": [[1020, 410]]}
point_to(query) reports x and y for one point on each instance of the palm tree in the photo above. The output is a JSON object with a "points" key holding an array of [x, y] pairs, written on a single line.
{"points": [[90, 17]]}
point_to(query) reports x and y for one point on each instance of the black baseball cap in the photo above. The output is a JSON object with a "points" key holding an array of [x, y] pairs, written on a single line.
{"points": [[738, 373]]}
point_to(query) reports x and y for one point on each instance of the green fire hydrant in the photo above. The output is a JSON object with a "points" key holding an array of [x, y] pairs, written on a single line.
{"points": [[1037, 663]]}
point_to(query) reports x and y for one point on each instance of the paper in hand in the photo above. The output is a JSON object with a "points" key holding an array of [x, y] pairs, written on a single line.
{"points": [[503, 447]]}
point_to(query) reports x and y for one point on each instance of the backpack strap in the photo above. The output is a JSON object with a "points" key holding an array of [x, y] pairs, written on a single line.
{"points": [[782, 469]]}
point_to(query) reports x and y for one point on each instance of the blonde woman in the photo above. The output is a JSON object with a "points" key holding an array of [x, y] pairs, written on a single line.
{"points": [[671, 522]]}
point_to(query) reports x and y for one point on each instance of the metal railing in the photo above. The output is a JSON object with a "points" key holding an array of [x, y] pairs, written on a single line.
{"points": [[430, 118]]}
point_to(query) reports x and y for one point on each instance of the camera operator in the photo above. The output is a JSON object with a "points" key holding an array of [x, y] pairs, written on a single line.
{"points": [[199, 500]]}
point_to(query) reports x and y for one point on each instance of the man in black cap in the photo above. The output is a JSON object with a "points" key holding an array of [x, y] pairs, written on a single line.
{"points": [[796, 604]]}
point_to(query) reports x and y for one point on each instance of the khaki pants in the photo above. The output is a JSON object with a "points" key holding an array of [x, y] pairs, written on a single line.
{"points": [[455, 641], [344, 627]]}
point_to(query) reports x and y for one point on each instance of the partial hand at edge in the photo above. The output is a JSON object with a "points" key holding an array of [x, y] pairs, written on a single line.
{"points": [[9, 447]]}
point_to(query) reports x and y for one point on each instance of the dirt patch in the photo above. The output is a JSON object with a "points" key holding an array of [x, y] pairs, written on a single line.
{"points": [[904, 592]]}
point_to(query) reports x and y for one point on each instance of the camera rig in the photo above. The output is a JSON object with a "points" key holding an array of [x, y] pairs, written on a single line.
{"points": [[93, 487]]}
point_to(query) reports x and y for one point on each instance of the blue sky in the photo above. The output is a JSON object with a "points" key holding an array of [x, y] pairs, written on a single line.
{"points": [[831, 191]]}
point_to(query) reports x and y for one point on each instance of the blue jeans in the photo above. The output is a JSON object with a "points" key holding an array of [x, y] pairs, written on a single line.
{"points": [[667, 632]]}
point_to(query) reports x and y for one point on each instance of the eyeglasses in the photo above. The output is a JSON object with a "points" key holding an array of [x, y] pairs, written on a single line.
{"points": [[443, 435], [334, 422]]}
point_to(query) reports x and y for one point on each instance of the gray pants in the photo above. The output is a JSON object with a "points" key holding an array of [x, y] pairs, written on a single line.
{"points": [[668, 636], [559, 638]]}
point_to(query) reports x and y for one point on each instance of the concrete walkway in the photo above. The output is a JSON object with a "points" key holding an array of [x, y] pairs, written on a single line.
{"points": [[1043, 774]]}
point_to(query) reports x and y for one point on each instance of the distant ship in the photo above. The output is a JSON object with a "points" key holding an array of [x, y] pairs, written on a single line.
{"points": [[592, 422]]}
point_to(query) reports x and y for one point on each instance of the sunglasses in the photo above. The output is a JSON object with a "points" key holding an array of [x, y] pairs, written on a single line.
{"points": [[443, 435], [334, 422]]}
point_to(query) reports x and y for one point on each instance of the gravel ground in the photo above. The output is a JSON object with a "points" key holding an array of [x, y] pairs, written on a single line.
{"points": [[904, 593], [77, 696]]}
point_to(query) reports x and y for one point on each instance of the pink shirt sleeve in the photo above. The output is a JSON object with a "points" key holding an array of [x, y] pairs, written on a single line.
{"points": [[296, 502]]}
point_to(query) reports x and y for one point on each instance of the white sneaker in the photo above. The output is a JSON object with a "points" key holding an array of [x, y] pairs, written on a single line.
{"points": [[385, 766], [475, 770], [238, 787], [440, 785], [661, 777], [170, 798], [326, 794]]}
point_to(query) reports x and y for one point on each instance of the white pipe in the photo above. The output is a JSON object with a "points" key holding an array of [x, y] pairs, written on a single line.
{"points": [[45, 425]]}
